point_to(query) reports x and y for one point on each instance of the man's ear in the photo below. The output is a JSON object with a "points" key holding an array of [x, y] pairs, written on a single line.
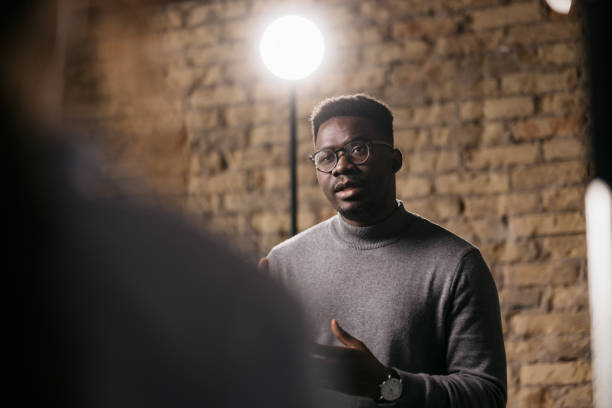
{"points": [[396, 160]]}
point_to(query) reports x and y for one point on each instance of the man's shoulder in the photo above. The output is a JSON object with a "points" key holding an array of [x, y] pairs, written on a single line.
{"points": [[438, 238], [305, 240]]}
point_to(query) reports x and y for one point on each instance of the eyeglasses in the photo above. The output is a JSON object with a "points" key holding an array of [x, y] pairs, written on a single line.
{"points": [[357, 152]]}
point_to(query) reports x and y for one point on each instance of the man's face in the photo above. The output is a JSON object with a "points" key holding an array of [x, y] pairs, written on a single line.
{"points": [[363, 194]]}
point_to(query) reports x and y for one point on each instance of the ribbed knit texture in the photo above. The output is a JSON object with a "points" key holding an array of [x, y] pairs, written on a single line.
{"points": [[421, 299]]}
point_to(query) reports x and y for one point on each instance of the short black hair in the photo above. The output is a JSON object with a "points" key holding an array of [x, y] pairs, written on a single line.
{"points": [[360, 105]]}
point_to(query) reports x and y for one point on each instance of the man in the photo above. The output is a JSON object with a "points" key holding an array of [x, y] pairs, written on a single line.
{"points": [[113, 305], [403, 311]]}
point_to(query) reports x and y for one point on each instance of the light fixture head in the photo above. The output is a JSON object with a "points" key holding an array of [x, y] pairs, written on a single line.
{"points": [[292, 47], [560, 6]]}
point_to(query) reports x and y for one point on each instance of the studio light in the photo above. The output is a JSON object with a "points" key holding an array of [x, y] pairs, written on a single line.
{"points": [[598, 203], [292, 47], [560, 6]]}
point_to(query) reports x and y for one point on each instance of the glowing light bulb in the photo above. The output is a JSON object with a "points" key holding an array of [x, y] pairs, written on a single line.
{"points": [[292, 47], [560, 6]]}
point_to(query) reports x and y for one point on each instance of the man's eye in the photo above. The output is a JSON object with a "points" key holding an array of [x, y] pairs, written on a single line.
{"points": [[325, 157]]}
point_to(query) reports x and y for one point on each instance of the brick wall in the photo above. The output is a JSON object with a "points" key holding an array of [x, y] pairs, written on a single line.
{"points": [[490, 114]]}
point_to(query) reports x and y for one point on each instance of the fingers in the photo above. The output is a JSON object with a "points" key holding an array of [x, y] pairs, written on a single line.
{"points": [[344, 337], [263, 265]]}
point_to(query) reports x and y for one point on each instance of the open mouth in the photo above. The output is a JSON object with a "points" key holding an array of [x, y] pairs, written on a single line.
{"points": [[347, 189]]}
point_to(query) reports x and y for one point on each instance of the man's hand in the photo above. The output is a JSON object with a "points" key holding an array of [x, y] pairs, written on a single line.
{"points": [[352, 369], [263, 266]]}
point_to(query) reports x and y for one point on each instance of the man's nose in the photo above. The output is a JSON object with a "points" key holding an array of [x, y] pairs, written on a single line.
{"points": [[343, 165]]}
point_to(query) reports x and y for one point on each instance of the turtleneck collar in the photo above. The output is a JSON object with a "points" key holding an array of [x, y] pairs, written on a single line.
{"points": [[375, 236]]}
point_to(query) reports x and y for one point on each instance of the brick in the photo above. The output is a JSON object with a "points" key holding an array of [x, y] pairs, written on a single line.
{"points": [[413, 187], [405, 74], [276, 178], [244, 202], [269, 223], [517, 299], [544, 32], [543, 128], [547, 175], [550, 323], [240, 115], [481, 230], [197, 204], [471, 110], [269, 134], [560, 272], [547, 348], [501, 156], [351, 36], [238, 30], [564, 103], [457, 5], [433, 115], [372, 11], [215, 11], [528, 82], [184, 78], [434, 208], [174, 19], [216, 54], [577, 397], [222, 182], [529, 397], [556, 373], [464, 89], [221, 95], [511, 14], [576, 298], [229, 225], [270, 91], [509, 251], [563, 149], [395, 8], [546, 224], [411, 139], [311, 196], [571, 246], [560, 54], [397, 51], [457, 136], [180, 39], [508, 107], [363, 77], [431, 162], [494, 134], [472, 183], [465, 44], [500, 205], [571, 198], [426, 27]]}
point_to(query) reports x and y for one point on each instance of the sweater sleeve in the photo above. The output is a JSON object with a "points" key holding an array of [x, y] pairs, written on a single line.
{"points": [[475, 356]]}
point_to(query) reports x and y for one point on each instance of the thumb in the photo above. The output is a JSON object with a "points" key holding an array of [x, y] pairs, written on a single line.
{"points": [[263, 265], [346, 338]]}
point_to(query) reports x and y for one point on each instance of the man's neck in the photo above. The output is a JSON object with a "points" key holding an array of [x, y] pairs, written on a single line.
{"points": [[375, 218]]}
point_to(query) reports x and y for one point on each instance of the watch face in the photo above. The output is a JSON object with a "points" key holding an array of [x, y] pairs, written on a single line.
{"points": [[391, 389]]}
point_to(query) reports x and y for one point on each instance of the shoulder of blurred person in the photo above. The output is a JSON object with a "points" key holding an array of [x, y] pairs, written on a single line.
{"points": [[127, 306]]}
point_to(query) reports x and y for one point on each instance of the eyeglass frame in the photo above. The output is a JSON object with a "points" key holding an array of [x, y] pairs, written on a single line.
{"points": [[369, 143]]}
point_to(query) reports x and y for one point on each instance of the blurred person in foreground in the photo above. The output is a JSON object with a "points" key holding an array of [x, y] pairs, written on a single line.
{"points": [[112, 305], [405, 312]]}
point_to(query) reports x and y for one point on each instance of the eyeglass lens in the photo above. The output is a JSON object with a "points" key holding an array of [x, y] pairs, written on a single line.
{"points": [[356, 152]]}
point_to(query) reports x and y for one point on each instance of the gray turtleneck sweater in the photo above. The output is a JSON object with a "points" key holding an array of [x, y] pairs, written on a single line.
{"points": [[420, 298]]}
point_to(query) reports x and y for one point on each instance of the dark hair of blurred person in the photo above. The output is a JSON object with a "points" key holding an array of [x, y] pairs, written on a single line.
{"points": [[112, 305]]}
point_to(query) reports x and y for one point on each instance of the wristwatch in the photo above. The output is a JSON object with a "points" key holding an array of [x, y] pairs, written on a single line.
{"points": [[391, 388]]}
